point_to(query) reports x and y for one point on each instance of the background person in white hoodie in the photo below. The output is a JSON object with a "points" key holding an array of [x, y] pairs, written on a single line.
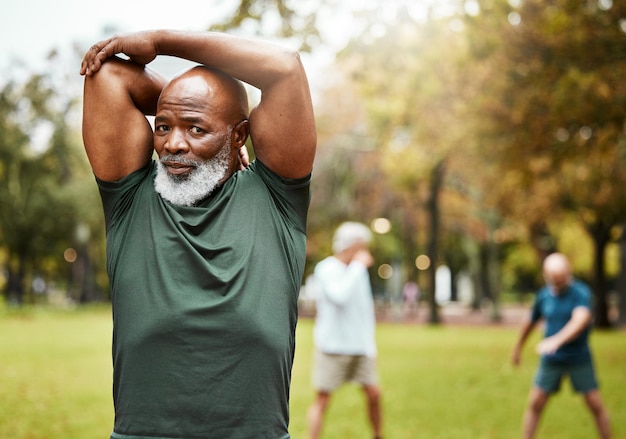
{"points": [[345, 325]]}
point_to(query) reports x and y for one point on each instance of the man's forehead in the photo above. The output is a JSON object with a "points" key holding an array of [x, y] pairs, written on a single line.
{"points": [[188, 87], [191, 95]]}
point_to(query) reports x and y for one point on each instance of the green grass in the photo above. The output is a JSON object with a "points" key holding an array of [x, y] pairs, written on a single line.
{"points": [[55, 375], [438, 382]]}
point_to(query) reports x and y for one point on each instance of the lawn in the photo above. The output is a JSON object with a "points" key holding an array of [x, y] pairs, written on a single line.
{"points": [[438, 382]]}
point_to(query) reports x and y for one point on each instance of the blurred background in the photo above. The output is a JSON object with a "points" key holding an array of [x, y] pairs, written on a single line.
{"points": [[474, 136]]}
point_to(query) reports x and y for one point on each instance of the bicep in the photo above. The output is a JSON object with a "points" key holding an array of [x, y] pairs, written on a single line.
{"points": [[282, 126], [116, 133], [582, 316]]}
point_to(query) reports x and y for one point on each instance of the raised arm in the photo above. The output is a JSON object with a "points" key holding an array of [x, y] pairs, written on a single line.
{"points": [[116, 133], [282, 126]]}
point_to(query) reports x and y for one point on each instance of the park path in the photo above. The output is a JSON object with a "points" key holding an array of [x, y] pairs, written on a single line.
{"points": [[449, 314], [459, 314]]}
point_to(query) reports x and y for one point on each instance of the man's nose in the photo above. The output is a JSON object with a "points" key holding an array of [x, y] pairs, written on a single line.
{"points": [[176, 142]]}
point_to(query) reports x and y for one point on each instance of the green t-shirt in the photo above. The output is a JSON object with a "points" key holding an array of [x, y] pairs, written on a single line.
{"points": [[205, 305]]}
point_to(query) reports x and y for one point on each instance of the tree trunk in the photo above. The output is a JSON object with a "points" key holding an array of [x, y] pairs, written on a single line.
{"points": [[493, 273], [14, 292], [600, 236], [433, 241], [621, 280], [472, 249]]}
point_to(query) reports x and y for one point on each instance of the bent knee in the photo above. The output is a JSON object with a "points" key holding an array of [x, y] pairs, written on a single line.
{"points": [[373, 393], [594, 402], [538, 400]]}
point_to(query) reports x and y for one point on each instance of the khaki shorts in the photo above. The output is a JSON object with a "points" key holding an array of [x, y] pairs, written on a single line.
{"points": [[332, 370]]}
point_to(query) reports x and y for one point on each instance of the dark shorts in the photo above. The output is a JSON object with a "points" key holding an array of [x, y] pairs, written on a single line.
{"points": [[582, 376]]}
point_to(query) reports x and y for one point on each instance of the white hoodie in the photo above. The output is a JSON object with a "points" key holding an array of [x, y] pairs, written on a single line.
{"points": [[345, 322]]}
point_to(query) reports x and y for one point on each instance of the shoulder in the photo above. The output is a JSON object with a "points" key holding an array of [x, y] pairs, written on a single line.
{"points": [[542, 294], [131, 179], [291, 197], [581, 293], [271, 177], [326, 264], [581, 288]]}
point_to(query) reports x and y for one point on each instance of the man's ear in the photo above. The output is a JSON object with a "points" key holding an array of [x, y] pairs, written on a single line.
{"points": [[240, 134]]}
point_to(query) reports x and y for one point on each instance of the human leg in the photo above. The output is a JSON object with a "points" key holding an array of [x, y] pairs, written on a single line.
{"points": [[372, 393], [537, 400], [547, 381], [315, 415], [329, 373], [365, 373], [600, 414], [584, 381]]}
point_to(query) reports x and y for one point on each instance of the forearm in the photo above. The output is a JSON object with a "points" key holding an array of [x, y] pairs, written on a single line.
{"points": [[255, 62], [527, 328], [581, 318], [521, 340], [339, 288]]}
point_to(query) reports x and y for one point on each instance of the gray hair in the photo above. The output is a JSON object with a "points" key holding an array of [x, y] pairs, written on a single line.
{"points": [[350, 233]]}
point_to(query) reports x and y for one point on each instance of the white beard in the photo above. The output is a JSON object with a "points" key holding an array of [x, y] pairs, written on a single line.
{"points": [[199, 184]]}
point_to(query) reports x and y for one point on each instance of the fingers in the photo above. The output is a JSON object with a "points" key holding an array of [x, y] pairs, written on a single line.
{"points": [[94, 57], [547, 346], [244, 158], [365, 257]]}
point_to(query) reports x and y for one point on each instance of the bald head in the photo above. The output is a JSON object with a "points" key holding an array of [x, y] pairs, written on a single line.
{"points": [[219, 93], [557, 271]]}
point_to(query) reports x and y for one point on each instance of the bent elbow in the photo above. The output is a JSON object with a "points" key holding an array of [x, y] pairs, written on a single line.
{"points": [[289, 64]]}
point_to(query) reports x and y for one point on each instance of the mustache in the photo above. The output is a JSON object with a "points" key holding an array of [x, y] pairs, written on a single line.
{"points": [[175, 159]]}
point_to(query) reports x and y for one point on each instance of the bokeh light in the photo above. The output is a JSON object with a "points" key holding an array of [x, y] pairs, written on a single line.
{"points": [[70, 255], [385, 271], [381, 225], [422, 262]]}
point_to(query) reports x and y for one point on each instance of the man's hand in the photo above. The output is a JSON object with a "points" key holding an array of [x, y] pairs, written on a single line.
{"points": [[548, 345], [139, 47], [364, 257], [517, 356], [581, 318], [244, 158]]}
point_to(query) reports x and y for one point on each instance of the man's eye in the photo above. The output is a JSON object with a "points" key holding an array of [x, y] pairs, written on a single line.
{"points": [[197, 130], [162, 128]]}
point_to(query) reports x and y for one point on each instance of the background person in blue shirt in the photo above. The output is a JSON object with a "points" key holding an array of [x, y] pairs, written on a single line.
{"points": [[564, 305]]}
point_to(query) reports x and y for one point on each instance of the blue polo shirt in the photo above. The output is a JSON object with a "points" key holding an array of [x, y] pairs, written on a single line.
{"points": [[556, 310]]}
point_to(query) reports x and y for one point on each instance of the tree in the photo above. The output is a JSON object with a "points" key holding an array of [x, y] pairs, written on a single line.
{"points": [[40, 191], [552, 116], [278, 18], [412, 97]]}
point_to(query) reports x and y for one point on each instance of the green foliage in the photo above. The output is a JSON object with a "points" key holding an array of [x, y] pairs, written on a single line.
{"points": [[43, 195], [286, 19], [522, 100], [550, 115], [438, 382]]}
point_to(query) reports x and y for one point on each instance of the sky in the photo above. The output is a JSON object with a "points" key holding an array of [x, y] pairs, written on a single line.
{"points": [[30, 29]]}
